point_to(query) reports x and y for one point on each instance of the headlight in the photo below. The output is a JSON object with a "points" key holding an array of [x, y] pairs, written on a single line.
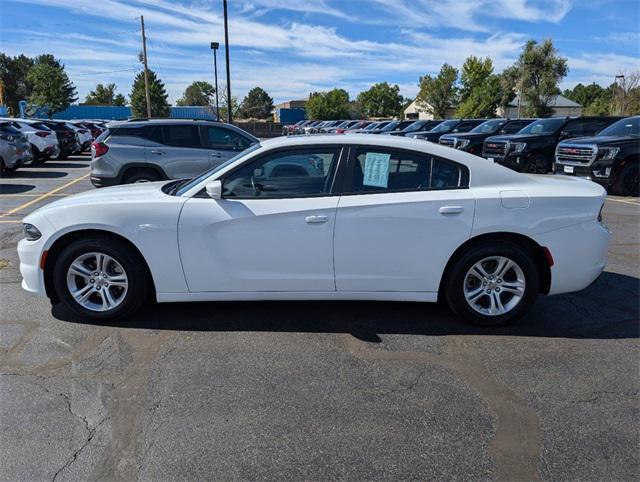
{"points": [[461, 143], [608, 152], [31, 232], [518, 146]]}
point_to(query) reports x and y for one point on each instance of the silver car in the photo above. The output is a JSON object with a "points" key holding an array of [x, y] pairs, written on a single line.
{"points": [[16, 150], [152, 150], [43, 141]]}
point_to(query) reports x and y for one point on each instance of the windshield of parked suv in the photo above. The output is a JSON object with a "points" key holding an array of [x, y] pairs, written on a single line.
{"points": [[490, 126], [414, 126], [446, 126], [624, 127], [544, 126], [390, 126], [186, 184]]}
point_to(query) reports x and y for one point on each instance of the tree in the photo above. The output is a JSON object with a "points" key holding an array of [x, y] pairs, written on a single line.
{"points": [[224, 103], [537, 74], [13, 74], [439, 94], [198, 93], [626, 98], [381, 100], [333, 104], [158, 96], [584, 95], [50, 85], [257, 104], [480, 90], [105, 95]]}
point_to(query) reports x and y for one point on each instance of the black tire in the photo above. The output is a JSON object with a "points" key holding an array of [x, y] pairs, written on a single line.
{"points": [[138, 289], [456, 282], [141, 175], [626, 183], [37, 158], [538, 164]]}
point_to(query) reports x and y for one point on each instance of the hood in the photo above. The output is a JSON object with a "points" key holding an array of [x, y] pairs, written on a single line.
{"points": [[124, 194], [516, 137], [600, 140], [428, 136]]}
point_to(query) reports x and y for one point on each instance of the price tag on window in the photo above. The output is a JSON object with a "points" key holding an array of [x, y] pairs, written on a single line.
{"points": [[376, 169]]}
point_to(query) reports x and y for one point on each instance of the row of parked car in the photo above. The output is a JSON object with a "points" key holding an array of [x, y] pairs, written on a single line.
{"points": [[34, 141], [603, 149]]}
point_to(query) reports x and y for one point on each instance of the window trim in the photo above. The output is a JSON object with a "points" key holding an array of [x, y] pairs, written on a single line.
{"points": [[347, 176], [338, 172]]}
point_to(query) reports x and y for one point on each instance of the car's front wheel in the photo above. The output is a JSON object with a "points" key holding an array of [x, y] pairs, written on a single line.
{"points": [[492, 284], [100, 278]]}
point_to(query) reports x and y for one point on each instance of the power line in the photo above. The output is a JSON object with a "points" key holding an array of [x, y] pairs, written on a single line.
{"points": [[107, 72]]}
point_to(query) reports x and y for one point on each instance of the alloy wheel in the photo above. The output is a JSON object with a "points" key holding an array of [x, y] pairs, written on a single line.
{"points": [[494, 286], [97, 282]]}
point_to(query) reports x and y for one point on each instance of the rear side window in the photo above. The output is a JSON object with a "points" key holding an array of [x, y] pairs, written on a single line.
{"points": [[397, 171], [178, 135], [226, 139], [574, 128], [466, 126], [130, 131]]}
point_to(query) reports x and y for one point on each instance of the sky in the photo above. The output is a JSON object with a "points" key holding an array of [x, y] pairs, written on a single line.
{"points": [[293, 47]]}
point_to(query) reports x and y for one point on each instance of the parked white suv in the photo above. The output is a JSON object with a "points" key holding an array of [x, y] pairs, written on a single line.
{"points": [[152, 150], [43, 141]]}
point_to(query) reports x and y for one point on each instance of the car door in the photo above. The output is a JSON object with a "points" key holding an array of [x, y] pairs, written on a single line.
{"points": [[223, 143], [401, 217], [271, 231], [178, 150]]}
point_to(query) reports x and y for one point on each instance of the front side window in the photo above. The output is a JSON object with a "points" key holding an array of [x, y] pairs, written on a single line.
{"points": [[513, 127], [178, 135], [574, 128], [396, 171], [287, 174], [489, 127], [221, 138]]}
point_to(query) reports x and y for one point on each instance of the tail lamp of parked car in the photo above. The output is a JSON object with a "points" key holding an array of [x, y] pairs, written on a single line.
{"points": [[99, 149], [43, 133], [340, 131]]}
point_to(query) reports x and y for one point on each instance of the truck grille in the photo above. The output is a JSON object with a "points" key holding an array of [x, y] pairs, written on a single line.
{"points": [[495, 149], [575, 153], [447, 142]]}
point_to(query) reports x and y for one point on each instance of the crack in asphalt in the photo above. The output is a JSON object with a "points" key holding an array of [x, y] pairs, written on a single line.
{"points": [[76, 454]]}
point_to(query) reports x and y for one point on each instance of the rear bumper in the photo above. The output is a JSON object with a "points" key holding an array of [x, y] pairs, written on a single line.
{"points": [[579, 253], [99, 181]]}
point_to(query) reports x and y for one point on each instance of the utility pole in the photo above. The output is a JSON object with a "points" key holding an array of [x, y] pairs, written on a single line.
{"points": [[226, 48], [214, 47], [521, 87], [146, 74]]}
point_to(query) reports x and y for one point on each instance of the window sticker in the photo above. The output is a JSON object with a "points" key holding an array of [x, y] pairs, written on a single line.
{"points": [[376, 169]]}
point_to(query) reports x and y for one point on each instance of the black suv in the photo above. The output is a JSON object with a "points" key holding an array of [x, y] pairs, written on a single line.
{"points": [[415, 126], [472, 141], [446, 127], [611, 158], [532, 149], [67, 138]]}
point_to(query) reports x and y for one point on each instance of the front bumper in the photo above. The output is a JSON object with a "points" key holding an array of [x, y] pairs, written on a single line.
{"points": [[30, 253], [512, 160], [602, 174]]}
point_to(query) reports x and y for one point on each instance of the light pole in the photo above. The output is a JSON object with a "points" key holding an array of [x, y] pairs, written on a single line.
{"points": [[226, 49], [619, 81], [214, 47]]}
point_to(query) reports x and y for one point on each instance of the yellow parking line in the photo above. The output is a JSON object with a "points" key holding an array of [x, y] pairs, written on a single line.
{"points": [[633, 203], [12, 221], [44, 196]]}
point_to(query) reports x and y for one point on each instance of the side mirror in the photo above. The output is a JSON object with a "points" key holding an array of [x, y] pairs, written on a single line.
{"points": [[214, 189]]}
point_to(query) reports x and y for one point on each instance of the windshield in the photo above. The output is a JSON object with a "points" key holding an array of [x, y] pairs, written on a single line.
{"points": [[446, 126], [373, 125], [414, 126], [390, 126], [196, 180], [544, 126], [624, 127], [490, 126]]}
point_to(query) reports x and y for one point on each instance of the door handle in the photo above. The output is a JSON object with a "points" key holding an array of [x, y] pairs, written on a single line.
{"points": [[157, 151], [450, 210], [316, 219]]}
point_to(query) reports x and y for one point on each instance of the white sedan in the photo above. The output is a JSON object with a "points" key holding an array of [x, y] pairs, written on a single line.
{"points": [[323, 218]]}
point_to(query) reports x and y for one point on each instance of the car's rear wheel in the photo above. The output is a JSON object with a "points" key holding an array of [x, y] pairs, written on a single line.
{"points": [[100, 278], [626, 183], [37, 157], [492, 284], [141, 175], [538, 165]]}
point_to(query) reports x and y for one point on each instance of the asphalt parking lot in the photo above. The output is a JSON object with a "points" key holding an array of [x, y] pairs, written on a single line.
{"points": [[317, 390]]}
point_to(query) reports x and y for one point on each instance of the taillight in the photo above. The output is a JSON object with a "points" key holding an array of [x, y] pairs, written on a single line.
{"points": [[99, 148], [42, 134]]}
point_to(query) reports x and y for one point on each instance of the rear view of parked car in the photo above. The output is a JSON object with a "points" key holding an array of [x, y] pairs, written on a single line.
{"points": [[152, 150], [532, 149], [68, 139], [17, 151], [43, 141], [611, 158]]}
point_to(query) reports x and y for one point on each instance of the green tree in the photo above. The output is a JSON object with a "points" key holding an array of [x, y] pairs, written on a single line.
{"points": [[224, 104], [536, 75], [50, 85], [105, 95], [333, 104], [199, 93], [440, 93], [256, 104], [480, 89], [584, 95], [157, 94], [13, 74], [381, 100]]}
